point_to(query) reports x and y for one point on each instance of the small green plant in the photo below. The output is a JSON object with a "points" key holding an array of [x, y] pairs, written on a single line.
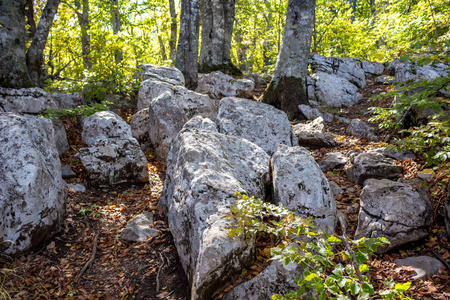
{"points": [[91, 211], [79, 111], [334, 266]]}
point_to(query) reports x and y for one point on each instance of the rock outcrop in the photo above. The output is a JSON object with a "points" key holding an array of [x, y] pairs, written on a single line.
{"points": [[218, 85]]}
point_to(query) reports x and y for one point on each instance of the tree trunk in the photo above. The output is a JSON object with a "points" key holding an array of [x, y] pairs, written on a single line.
{"points": [[173, 31], [35, 53], [29, 12], [13, 68], [116, 24], [217, 30], [162, 48], [187, 50], [287, 89], [83, 20]]}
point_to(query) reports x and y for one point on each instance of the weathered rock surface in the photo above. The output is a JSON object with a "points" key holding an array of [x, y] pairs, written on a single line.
{"points": [[335, 188], [149, 90], [110, 162], [334, 91], [61, 142], [257, 122], [423, 265], [204, 170], [384, 80], [67, 172], [361, 129], [218, 85], [394, 210], [76, 187], [139, 128], [411, 71], [139, 229], [34, 100], [332, 160], [166, 74], [32, 192], [300, 185], [170, 111], [198, 122], [104, 125], [372, 68], [312, 113], [312, 133], [348, 68], [373, 164]]}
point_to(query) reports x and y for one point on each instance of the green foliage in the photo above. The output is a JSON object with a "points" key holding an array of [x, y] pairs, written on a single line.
{"points": [[313, 250], [79, 111], [431, 139]]}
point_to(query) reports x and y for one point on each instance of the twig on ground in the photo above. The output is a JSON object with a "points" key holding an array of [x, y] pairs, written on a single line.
{"points": [[440, 258], [159, 271], [350, 250], [91, 260]]}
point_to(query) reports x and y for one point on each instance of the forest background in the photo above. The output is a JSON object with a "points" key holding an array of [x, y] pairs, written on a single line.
{"points": [[144, 32]]}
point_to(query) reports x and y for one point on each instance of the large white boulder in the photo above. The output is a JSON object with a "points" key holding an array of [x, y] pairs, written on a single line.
{"points": [[300, 185], [372, 68], [139, 128], [149, 90], [257, 122], [162, 73], [313, 134], [171, 110], [204, 170], [218, 85], [104, 125], [32, 192]]}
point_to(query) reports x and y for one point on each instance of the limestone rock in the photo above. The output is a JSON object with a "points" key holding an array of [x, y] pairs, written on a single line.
{"points": [[110, 162], [204, 170], [32, 192], [373, 164], [139, 228], [139, 128], [257, 122], [335, 188], [300, 185], [312, 113], [372, 68], [423, 265], [332, 160], [76, 187], [67, 172], [218, 85], [411, 71], [62, 144], [361, 129], [149, 90], [384, 80], [166, 74], [312, 133], [170, 111], [201, 123], [334, 91], [397, 211], [104, 125]]}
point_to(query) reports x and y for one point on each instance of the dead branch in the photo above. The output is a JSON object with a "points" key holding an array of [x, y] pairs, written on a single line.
{"points": [[91, 260]]}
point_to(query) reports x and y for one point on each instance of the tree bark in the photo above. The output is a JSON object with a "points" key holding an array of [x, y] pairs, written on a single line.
{"points": [[173, 31], [35, 53], [287, 89], [83, 20], [30, 17], [162, 48], [13, 68], [116, 24], [187, 50], [217, 31]]}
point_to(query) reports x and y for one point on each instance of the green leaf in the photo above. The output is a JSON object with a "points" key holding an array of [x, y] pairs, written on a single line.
{"points": [[363, 268], [402, 287]]}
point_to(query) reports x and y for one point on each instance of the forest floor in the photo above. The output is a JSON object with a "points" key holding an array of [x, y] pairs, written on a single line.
{"points": [[151, 269]]}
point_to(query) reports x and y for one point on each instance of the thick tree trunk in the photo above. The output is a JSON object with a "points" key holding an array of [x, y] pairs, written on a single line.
{"points": [[173, 31], [35, 53], [217, 30], [13, 68], [116, 24], [83, 20], [187, 50], [162, 48], [287, 89]]}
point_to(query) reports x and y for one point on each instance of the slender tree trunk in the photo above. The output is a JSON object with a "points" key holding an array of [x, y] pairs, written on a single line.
{"points": [[13, 68], [287, 89], [187, 50], [83, 20], [162, 48], [217, 31], [29, 12], [173, 30], [116, 24], [35, 53]]}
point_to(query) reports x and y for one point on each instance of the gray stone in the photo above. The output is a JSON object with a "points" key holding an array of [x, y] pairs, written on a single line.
{"points": [[76, 188], [62, 144], [201, 123], [110, 162], [348, 68], [139, 229], [139, 128], [67, 172], [384, 80], [162, 73], [377, 91], [361, 129], [104, 125], [372, 68], [218, 85], [332, 160], [257, 79], [423, 265], [397, 211], [312, 113], [334, 91], [149, 90], [171, 110], [312, 133], [32, 192], [394, 154], [257, 122], [405, 71], [335, 188], [300, 185], [204, 170], [373, 164]]}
